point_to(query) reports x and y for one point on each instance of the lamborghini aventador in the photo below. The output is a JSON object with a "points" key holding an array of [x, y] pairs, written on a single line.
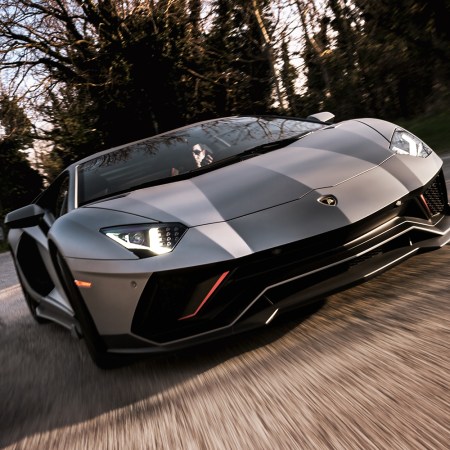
{"points": [[220, 226]]}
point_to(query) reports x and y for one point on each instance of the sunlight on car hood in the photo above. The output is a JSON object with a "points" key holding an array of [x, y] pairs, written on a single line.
{"points": [[262, 182]]}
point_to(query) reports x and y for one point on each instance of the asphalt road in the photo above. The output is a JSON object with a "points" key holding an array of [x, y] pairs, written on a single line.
{"points": [[368, 368]]}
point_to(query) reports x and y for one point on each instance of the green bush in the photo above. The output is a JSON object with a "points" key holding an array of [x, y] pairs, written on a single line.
{"points": [[434, 130]]}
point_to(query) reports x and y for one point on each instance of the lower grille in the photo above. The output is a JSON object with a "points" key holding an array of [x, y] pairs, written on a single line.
{"points": [[170, 302], [436, 195], [165, 310]]}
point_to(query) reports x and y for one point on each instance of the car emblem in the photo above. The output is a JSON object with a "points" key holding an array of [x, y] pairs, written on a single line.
{"points": [[328, 200]]}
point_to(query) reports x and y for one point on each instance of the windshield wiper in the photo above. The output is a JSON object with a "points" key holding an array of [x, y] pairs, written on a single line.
{"points": [[269, 146]]}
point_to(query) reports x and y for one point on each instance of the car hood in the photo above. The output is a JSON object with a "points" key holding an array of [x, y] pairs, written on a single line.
{"points": [[324, 158]]}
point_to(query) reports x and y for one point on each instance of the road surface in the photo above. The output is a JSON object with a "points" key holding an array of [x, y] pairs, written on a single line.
{"points": [[368, 368]]}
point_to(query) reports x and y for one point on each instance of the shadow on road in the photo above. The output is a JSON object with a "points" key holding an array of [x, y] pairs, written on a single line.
{"points": [[50, 382]]}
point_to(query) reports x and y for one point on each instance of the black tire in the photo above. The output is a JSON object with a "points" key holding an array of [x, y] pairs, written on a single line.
{"points": [[30, 301], [95, 345]]}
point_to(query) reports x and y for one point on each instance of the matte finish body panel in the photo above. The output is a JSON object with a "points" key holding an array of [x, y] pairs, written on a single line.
{"points": [[262, 226], [263, 181]]}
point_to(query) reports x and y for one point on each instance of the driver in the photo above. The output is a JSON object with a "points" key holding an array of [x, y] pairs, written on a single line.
{"points": [[202, 155]]}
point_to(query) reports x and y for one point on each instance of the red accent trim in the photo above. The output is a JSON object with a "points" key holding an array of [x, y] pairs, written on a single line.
{"points": [[425, 204], [208, 295]]}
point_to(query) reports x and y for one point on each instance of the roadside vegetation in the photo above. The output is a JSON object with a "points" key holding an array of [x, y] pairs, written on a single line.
{"points": [[433, 129]]}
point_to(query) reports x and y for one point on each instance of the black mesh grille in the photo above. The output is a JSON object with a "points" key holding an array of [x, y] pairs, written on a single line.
{"points": [[436, 195], [170, 296]]}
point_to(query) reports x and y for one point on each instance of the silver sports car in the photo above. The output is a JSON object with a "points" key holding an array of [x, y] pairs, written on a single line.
{"points": [[218, 227]]}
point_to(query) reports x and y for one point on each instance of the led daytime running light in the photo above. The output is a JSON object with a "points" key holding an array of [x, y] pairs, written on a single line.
{"points": [[146, 239]]}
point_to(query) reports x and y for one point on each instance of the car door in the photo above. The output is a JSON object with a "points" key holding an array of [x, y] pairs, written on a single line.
{"points": [[33, 253]]}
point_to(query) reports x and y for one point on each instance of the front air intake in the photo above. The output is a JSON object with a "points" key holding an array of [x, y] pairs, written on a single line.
{"points": [[436, 195]]}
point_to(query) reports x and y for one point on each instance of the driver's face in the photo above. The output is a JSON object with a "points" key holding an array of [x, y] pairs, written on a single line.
{"points": [[199, 154]]}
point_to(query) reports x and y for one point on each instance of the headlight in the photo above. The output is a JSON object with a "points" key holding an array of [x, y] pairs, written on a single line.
{"points": [[148, 239], [405, 143]]}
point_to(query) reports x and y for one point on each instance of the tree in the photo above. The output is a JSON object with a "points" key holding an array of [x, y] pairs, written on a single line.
{"points": [[114, 68], [381, 58], [409, 51], [19, 183], [239, 58], [288, 76]]}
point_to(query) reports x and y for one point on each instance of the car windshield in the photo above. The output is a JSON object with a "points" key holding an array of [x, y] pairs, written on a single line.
{"points": [[179, 152]]}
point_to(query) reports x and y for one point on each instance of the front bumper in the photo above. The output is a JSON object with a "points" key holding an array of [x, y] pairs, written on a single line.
{"points": [[172, 309]]}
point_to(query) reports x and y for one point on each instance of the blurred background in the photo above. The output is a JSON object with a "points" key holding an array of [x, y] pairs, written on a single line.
{"points": [[78, 76]]}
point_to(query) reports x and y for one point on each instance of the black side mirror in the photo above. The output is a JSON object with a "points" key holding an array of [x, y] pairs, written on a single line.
{"points": [[28, 216]]}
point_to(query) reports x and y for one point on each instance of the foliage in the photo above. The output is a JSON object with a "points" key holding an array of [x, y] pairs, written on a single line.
{"points": [[433, 129], [238, 58], [19, 182], [380, 58]]}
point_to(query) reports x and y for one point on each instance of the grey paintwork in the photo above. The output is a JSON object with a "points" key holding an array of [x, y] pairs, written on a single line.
{"points": [[248, 195], [264, 181], [260, 203]]}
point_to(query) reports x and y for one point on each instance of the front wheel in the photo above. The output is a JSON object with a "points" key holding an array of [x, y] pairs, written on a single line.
{"points": [[96, 347]]}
